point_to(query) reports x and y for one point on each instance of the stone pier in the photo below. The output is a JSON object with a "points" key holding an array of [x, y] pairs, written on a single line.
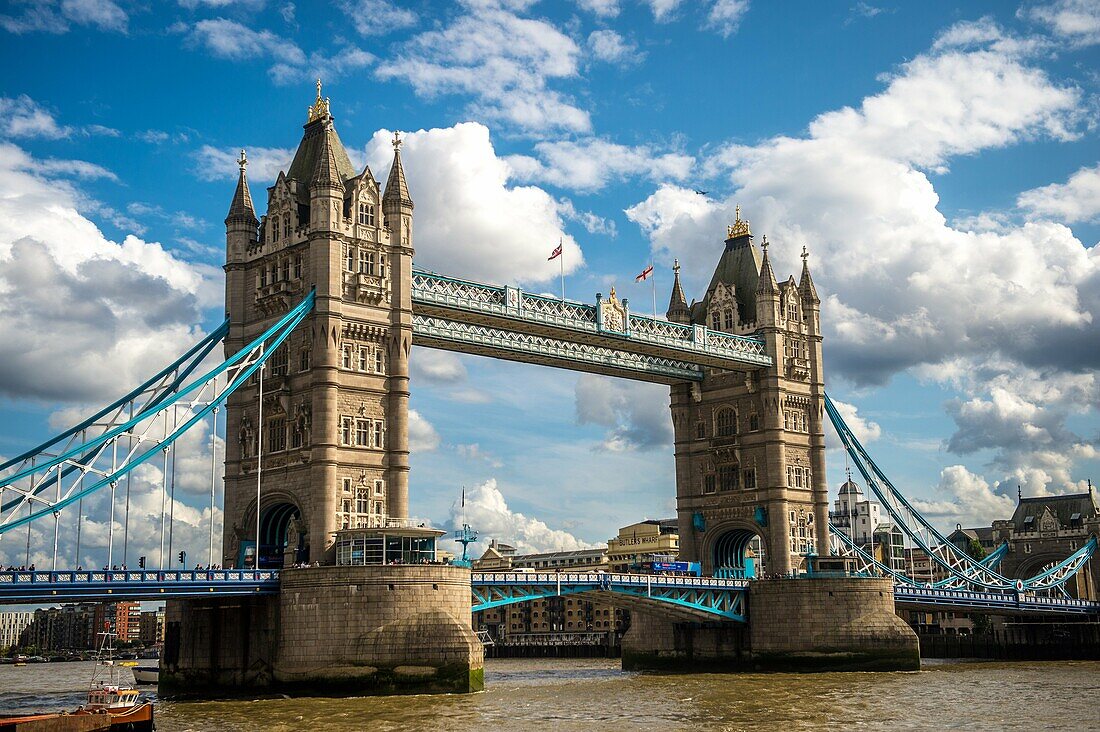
{"points": [[820, 624], [330, 631]]}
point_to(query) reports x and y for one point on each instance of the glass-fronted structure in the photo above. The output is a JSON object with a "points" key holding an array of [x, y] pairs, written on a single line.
{"points": [[408, 545]]}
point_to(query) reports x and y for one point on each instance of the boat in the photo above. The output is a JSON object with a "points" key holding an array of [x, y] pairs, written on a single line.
{"points": [[146, 674], [108, 695]]}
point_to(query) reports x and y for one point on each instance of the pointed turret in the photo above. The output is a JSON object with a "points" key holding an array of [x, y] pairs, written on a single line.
{"points": [[767, 284], [677, 305], [327, 172], [397, 190], [806, 285], [241, 210]]}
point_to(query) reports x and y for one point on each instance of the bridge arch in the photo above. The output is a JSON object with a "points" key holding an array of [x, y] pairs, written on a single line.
{"points": [[735, 550], [280, 518], [1079, 586]]}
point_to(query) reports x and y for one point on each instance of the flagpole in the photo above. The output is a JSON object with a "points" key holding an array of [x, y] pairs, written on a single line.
{"points": [[561, 266], [654, 294]]}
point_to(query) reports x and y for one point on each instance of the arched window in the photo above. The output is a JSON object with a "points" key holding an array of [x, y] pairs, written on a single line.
{"points": [[715, 322], [286, 225], [728, 316], [725, 422]]}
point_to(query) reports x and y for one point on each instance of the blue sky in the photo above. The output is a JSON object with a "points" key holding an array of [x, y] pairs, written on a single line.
{"points": [[940, 161]]}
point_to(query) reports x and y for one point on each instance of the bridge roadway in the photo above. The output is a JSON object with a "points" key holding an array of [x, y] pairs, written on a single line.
{"points": [[508, 323], [687, 598]]}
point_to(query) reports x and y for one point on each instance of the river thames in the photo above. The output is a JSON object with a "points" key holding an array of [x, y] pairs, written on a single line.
{"points": [[589, 694]]}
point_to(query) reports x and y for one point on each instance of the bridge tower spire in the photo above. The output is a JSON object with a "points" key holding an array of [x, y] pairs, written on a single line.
{"points": [[677, 305]]}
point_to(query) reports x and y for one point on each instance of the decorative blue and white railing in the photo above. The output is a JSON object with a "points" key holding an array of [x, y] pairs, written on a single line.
{"points": [[22, 586], [568, 316]]}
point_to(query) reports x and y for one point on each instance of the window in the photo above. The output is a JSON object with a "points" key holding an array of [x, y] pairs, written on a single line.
{"points": [[378, 508], [362, 432], [364, 354], [296, 436], [263, 277], [727, 478], [792, 310], [276, 434], [286, 225], [298, 266], [279, 362], [273, 226], [362, 501], [709, 483], [346, 426], [366, 262], [798, 476], [794, 420], [366, 214], [379, 434], [1027, 547], [349, 258], [701, 431], [715, 322], [381, 265], [379, 361], [286, 269], [728, 318], [750, 479], [725, 423], [303, 360], [379, 487], [346, 362], [754, 423]]}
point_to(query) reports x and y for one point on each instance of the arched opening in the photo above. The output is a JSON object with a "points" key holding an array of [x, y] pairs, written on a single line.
{"points": [[274, 534], [739, 554]]}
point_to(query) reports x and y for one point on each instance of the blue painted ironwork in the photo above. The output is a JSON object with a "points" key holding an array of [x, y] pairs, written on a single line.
{"points": [[993, 602], [474, 302], [698, 597], [963, 571], [513, 345], [92, 457], [22, 587]]}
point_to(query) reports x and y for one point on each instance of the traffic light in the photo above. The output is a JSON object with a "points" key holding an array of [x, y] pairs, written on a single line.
{"points": [[183, 559], [141, 562]]}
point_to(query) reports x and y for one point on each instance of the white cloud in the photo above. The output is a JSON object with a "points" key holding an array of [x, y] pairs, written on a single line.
{"points": [[377, 17], [607, 45], [601, 8], [231, 40], [83, 317], [436, 367], [591, 163], [1076, 21], [635, 413], [50, 16], [502, 60], [965, 498], [422, 435], [864, 429], [663, 10], [488, 512], [1075, 201], [23, 117], [725, 16], [504, 233], [246, 4], [264, 163]]}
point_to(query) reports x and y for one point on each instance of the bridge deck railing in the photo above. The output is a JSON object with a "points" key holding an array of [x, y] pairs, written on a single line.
{"points": [[908, 593], [604, 578], [26, 577], [511, 302]]}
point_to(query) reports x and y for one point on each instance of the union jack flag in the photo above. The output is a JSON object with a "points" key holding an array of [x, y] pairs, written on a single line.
{"points": [[555, 254]]}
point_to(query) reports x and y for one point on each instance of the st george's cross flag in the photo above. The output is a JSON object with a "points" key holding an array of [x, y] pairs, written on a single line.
{"points": [[555, 254], [645, 274]]}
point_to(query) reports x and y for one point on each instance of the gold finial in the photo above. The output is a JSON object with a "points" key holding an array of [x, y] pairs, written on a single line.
{"points": [[396, 140], [612, 297], [740, 227], [320, 107], [242, 160], [676, 267]]}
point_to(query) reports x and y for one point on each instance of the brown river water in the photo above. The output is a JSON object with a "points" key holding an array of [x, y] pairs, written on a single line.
{"points": [[593, 694]]}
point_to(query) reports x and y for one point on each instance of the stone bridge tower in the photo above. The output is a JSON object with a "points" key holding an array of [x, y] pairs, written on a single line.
{"points": [[750, 445], [333, 443]]}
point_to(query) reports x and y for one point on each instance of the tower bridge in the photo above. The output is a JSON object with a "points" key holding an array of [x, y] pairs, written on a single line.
{"points": [[323, 307]]}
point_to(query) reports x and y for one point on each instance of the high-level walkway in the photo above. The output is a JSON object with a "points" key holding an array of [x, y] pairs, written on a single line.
{"points": [[508, 323]]}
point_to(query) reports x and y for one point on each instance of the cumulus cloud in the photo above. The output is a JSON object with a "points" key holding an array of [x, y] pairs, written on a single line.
{"points": [[1075, 201], [864, 429], [234, 41], [436, 367], [377, 17], [504, 232], [220, 163], [725, 16], [903, 289], [966, 498], [487, 510], [50, 16], [601, 8], [83, 317], [422, 435], [635, 413], [1075, 21], [607, 45], [23, 117], [664, 10], [502, 60], [590, 164]]}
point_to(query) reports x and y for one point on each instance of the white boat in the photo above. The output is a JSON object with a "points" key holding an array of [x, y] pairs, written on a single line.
{"points": [[146, 674]]}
